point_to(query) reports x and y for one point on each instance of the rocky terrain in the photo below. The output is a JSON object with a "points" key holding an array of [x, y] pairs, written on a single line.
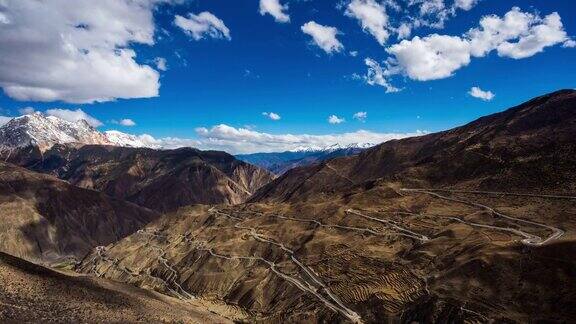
{"points": [[47, 220], [33, 294], [163, 180], [475, 224]]}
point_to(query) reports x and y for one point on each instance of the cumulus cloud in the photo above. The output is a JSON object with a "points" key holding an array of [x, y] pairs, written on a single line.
{"points": [[80, 53], [323, 36], [517, 35], [271, 115], [73, 116], [360, 116], [275, 9], [202, 25], [161, 63], [372, 17], [432, 57], [333, 119], [476, 92]]}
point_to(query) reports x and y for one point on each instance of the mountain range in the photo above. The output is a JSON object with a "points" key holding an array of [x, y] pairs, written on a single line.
{"points": [[278, 163], [472, 224]]}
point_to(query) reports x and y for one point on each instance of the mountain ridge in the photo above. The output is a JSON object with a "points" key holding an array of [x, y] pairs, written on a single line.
{"points": [[476, 146], [163, 180]]}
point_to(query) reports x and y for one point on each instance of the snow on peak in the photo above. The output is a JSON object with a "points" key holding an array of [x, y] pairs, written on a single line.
{"points": [[333, 147], [45, 131], [128, 140]]}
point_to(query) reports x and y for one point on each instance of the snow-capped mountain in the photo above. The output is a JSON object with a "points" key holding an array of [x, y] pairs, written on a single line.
{"points": [[128, 140], [44, 131], [333, 147]]}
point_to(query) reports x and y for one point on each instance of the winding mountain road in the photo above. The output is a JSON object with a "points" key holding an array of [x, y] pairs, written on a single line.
{"points": [[529, 239], [334, 303], [335, 226], [401, 230]]}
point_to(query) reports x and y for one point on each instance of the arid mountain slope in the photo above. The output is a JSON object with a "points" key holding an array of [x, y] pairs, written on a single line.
{"points": [[526, 147], [46, 219], [363, 239], [163, 180], [33, 294]]}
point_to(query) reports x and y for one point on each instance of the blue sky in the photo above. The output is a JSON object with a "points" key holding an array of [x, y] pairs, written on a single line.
{"points": [[268, 65]]}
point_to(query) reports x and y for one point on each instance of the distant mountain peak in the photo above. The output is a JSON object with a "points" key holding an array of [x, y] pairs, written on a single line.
{"points": [[37, 129], [45, 131], [332, 147]]}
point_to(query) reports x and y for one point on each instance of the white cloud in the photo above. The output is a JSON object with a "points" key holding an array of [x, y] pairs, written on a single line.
{"points": [[430, 7], [242, 140], [80, 53], [476, 92], [465, 5], [517, 35], [569, 44], [73, 116], [360, 116], [27, 110], [377, 75], [205, 24], [323, 36], [271, 115], [432, 57], [333, 119], [404, 31], [127, 122], [372, 17], [435, 13], [161, 64], [353, 53], [275, 9]]}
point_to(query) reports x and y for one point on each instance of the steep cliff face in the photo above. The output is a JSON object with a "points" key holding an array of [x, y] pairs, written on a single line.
{"points": [[48, 220], [163, 180]]}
